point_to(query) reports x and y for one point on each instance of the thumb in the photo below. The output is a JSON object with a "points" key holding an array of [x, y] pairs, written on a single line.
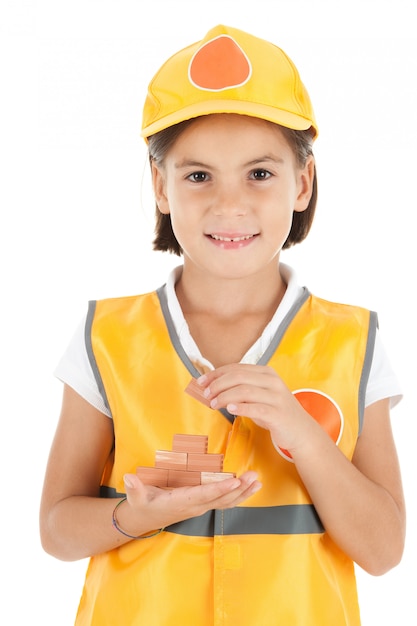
{"points": [[133, 485]]}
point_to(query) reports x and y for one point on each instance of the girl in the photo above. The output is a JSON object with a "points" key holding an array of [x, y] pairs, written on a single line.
{"points": [[293, 391]]}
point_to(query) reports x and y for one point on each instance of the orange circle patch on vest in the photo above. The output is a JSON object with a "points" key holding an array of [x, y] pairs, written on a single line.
{"points": [[219, 64], [324, 410]]}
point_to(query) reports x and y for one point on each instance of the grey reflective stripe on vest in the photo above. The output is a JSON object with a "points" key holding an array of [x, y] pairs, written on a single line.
{"points": [[293, 519], [369, 353], [263, 359], [177, 344], [276, 339], [90, 353], [290, 519], [373, 325]]}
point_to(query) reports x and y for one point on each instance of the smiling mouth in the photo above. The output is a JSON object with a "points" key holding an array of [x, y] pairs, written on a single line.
{"points": [[235, 239]]}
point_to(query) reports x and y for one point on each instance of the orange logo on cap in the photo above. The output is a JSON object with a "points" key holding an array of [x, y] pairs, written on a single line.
{"points": [[219, 64], [324, 410]]}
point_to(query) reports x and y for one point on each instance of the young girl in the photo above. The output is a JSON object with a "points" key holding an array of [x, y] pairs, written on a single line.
{"points": [[293, 391]]}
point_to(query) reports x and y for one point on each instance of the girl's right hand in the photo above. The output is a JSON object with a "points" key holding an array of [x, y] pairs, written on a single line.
{"points": [[148, 508]]}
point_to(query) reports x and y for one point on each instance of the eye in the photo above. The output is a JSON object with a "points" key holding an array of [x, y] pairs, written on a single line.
{"points": [[260, 174], [198, 177]]}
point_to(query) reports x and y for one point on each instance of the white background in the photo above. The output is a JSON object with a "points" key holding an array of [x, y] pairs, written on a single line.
{"points": [[77, 218]]}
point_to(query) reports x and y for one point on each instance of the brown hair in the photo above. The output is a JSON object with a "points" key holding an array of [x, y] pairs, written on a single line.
{"points": [[300, 141]]}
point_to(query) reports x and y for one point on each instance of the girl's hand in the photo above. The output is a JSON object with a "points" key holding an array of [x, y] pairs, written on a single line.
{"points": [[258, 392], [162, 507]]}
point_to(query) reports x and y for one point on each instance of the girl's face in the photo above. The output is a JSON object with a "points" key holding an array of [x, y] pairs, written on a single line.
{"points": [[231, 184]]}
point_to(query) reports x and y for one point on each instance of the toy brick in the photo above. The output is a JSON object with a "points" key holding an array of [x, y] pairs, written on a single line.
{"points": [[171, 460], [205, 462], [190, 443], [195, 391], [213, 477], [187, 464], [156, 476], [183, 478]]}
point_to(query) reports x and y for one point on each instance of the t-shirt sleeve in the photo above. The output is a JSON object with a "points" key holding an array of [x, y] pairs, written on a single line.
{"points": [[74, 370], [383, 382]]}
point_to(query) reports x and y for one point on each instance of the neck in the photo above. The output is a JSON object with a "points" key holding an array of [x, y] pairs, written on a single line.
{"points": [[229, 298]]}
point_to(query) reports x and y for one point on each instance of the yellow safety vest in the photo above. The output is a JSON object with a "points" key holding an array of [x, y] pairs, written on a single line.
{"points": [[268, 562]]}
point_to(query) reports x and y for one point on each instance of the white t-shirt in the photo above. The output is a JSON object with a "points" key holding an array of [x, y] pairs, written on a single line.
{"points": [[75, 370]]}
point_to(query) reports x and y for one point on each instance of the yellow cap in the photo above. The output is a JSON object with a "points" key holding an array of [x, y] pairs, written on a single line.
{"points": [[229, 71]]}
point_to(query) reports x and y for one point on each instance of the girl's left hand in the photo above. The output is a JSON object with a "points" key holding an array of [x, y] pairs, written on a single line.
{"points": [[257, 392]]}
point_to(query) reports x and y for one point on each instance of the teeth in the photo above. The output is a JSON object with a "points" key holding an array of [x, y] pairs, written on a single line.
{"points": [[218, 238]]}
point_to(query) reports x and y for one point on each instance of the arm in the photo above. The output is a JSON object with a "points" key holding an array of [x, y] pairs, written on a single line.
{"points": [[361, 502], [76, 523]]}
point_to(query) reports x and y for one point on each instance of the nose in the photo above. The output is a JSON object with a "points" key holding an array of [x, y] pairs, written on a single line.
{"points": [[230, 200]]}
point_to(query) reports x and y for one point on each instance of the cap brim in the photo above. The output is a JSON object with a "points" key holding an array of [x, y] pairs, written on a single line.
{"points": [[271, 114]]}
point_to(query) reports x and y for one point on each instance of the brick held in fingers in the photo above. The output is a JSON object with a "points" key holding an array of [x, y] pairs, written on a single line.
{"points": [[195, 391]]}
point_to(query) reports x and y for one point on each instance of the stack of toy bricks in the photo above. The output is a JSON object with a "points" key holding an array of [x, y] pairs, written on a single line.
{"points": [[187, 464]]}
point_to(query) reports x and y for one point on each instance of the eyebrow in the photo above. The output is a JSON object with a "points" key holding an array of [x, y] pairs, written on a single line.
{"points": [[262, 159], [266, 158], [190, 163]]}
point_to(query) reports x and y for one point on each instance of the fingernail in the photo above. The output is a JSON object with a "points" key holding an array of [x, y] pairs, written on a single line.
{"points": [[128, 481], [201, 379]]}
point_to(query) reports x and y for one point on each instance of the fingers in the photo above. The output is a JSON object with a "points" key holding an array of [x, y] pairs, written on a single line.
{"points": [[172, 505], [222, 494], [230, 492], [248, 487], [256, 392], [132, 483], [232, 386]]}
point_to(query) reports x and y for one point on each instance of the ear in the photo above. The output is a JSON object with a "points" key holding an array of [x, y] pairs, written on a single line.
{"points": [[305, 185], [159, 188]]}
